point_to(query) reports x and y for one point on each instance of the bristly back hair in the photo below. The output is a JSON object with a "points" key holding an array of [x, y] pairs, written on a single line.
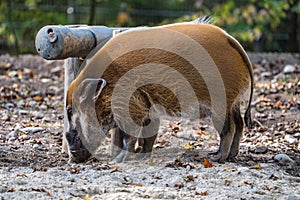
{"points": [[205, 19]]}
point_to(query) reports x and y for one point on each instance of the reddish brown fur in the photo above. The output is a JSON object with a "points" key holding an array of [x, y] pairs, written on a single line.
{"points": [[228, 55], [233, 69]]}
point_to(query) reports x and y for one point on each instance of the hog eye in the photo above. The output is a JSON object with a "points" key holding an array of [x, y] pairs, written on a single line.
{"points": [[69, 112]]}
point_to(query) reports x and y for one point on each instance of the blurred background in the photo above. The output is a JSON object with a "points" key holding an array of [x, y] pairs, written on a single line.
{"points": [[260, 25]]}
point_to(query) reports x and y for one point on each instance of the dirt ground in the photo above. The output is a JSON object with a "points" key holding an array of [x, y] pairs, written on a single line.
{"points": [[32, 165]]}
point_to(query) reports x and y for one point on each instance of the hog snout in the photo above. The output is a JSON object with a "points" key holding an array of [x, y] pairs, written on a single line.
{"points": [[77, 150]]}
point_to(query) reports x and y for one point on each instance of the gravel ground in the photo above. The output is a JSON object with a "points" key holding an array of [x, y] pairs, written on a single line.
{"points": [[33, 167]]}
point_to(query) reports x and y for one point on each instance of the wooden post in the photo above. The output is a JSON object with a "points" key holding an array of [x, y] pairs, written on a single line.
{"points": [[72, 66]]}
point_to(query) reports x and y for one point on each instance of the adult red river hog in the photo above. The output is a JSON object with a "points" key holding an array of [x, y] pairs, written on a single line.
{"points": [[183, 69]]}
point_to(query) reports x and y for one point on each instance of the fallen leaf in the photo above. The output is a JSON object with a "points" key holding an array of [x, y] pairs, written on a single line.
{"points": [[265, 187], [205, 193], [39, 189], [292, 100], [22, 175], [175, 128], [278, 104], [22, 134], [128, 183], [256, 167], [139, 185], [264, 98], [37, 98], [179, 185], [228, 170], [261, 129], [274, 177], [280, 87], [189, 178], [188, 146], [12, 190], [86, 197], [248, 183], [161, 144], [201, 132], [31, 74], [207, 164], [117, 168]]}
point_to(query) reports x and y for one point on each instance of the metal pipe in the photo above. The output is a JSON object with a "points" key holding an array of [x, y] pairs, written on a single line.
{"points": [[60, 42]]}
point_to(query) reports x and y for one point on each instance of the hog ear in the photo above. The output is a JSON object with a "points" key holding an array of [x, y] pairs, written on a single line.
{"points": [[90, 89]]}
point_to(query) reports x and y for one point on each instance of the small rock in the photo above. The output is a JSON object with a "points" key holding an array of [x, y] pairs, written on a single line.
{"points": [[2, 137], [283, 158], [9, 105], [11, 139], [23, 112], [261, 115], [46, 80], [20, 103], [278, 133], [266, 74], [290, 139], [271, 117], [46, 119], [31, 129], [261, 150], [13, 73], [289, 69], [273, 90], [290, 130], [279, 77], [11, 134], [55, 103], [38, 115], [32, 103], [5, 118], [44, 107], [36, 147], [18, 127], [294, 109]]}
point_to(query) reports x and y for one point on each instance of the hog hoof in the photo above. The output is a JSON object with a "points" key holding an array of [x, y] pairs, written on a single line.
{"points": [[143, 156], [79, 155], [119, 158], [219, 157], [233, 154], [124, 156], [232, 159]]}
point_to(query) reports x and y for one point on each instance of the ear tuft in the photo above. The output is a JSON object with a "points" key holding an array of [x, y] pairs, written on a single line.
{"points": [[101, 85], [90, 89]]}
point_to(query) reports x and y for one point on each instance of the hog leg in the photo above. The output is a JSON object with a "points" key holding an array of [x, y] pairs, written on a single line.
{"points": [[148, 135], [226, 137], [239, 125], [116, 142], [123, 145]]}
